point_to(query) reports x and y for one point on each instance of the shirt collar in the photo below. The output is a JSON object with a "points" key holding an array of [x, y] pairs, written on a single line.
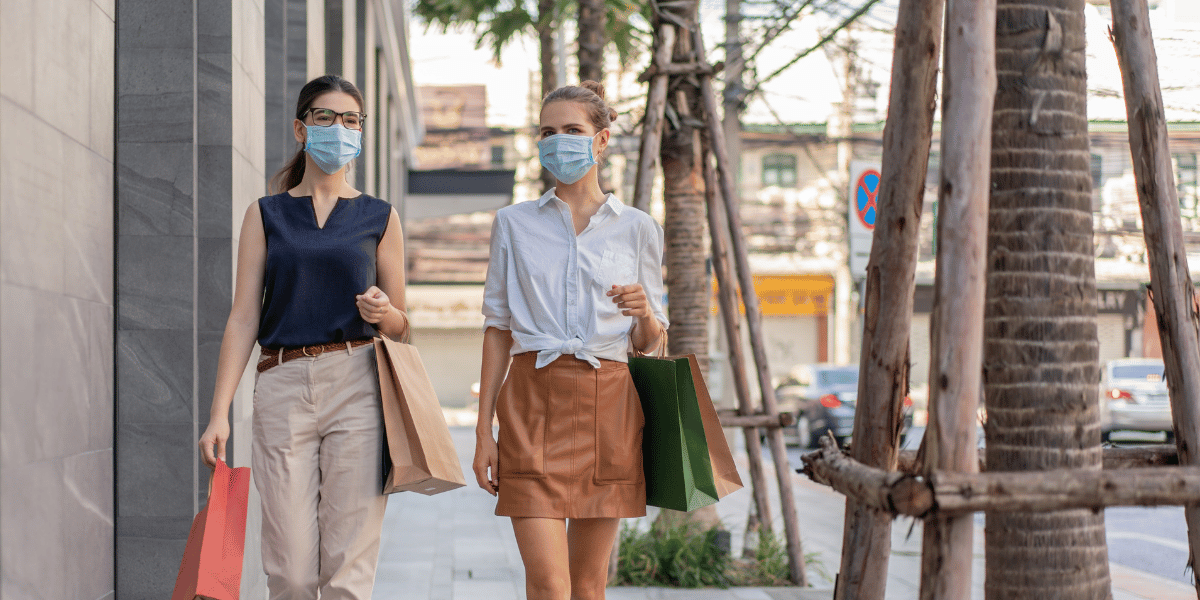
{"points": [[616, 206]]}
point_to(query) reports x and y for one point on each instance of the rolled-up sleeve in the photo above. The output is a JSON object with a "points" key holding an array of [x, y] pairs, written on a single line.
{"points": [[495, 288], [650, 269]]}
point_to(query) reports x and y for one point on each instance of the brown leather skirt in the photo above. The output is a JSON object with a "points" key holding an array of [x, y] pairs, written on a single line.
{"points": [[570, 441]]}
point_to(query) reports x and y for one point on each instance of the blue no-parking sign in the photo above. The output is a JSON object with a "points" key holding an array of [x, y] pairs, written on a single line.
{"points": [[862, 213]]}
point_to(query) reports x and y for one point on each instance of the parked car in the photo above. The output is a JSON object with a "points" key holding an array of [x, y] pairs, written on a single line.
{"points": [[823, 397], [1133, 397]]}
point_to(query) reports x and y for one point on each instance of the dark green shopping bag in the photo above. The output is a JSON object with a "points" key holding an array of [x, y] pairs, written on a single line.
{"points": [[684, 454]]}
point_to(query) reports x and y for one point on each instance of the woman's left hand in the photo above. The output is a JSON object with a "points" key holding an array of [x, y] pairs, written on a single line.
{"points": [[631, 299], [373, 304]]}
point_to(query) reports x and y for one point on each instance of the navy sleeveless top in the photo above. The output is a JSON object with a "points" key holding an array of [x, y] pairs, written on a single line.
{"points": [[313, 273]]}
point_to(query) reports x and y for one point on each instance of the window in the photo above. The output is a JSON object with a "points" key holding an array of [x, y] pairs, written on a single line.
{"points": [[1097, 171], [497, 156], [1185, 182], [779, 169]]}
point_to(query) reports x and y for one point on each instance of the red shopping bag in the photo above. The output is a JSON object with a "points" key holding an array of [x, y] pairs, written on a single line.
{"points": [[212, 562]]}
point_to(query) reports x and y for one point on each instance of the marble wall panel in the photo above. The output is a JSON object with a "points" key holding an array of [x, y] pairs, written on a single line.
{"points": [[87, 521], [297, 49], [44, 414], [31, 509], [214, 266], [146, 565], [157, 24], [31, 200], [277, 108], [156, 184], [154, 376], [88, 268], [109, 7], [156, 93], [253, 43], [17, 59], [215, 112], [314, 38], [214, 187], [156, 473], [99, 374], [102, 73], [63, 55], [208, 348], [88, 188], [155, 283]]}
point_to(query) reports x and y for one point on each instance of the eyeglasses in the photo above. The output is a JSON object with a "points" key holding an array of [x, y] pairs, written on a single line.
{"points": [[325, 117]]}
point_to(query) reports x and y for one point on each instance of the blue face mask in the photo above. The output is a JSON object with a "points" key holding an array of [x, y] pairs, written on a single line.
{"points": [[332, 147], [567, 157]]}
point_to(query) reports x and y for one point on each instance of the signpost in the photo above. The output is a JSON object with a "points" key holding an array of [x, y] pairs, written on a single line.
{"points": [[861, 214]]}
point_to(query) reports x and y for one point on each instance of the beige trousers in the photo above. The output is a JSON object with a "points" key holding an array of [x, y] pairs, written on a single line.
{"points": [[318, 465]]}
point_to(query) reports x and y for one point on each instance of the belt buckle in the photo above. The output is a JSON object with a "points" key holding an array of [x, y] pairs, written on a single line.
{"points": [[304, 351]]}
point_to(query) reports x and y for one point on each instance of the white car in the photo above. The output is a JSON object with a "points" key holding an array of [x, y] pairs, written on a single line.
{"points": [[1133, 397]]}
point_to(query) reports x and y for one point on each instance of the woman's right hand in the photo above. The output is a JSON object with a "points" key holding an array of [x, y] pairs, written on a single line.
{"points": [[486, 462], [216, 435]]}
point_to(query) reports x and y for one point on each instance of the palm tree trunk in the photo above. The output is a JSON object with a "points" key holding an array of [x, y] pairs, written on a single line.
{"points": [[592, 17], [684, 224], [1040, 347]]}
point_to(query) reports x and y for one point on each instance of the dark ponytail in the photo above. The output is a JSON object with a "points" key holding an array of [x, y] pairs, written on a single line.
{"points": [[292, 173]]}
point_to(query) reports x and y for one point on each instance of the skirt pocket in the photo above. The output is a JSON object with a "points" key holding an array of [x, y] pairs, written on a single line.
{"points": [[619, 423], [521, 410]]}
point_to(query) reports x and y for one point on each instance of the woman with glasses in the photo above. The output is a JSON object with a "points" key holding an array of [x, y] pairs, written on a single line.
{"points": [[574, 280], [320, 270]]}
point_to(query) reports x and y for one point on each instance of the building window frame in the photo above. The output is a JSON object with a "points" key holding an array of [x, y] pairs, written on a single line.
{"points": [[779, 169]]}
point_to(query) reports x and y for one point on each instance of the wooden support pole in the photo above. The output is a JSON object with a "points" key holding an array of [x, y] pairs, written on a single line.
{"points": [[692, 68], [957, 330], [727, 296], [731, 418], [1044, 491], [652, 123], [1163, 455], [1173, 294], [730, 200], [951, 493], [883, 364]]}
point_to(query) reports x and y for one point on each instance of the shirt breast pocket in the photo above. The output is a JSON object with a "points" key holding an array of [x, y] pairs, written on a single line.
{"points": [[616, 268]]}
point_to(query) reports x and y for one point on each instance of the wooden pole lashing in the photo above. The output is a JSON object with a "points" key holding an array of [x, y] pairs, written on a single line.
{"points": [[729, 196], [1178, 323], [883, 365], [951, 493], [957, 331]]}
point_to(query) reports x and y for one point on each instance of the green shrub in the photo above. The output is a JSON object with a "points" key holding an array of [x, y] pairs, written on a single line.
{"points": [[677, 555], [683, 555]]}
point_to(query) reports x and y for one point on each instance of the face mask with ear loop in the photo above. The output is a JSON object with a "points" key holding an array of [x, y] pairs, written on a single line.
{"points": [[568, 157], [332, 147]]}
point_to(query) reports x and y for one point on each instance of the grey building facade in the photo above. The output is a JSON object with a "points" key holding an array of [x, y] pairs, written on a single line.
{"points": [[133, 136]]}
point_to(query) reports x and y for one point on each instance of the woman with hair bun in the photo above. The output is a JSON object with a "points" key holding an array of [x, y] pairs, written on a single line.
{"points": [[574, 282]]}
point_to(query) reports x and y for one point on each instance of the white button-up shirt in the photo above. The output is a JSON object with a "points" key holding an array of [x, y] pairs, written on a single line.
{"points": [[547, 285]]}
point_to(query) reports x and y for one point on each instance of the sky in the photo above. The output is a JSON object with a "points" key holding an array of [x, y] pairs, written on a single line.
{"points": [[808, 91]]}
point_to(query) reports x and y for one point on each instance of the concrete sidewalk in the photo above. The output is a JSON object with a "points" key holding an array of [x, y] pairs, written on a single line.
{"points": [[452, 547]]}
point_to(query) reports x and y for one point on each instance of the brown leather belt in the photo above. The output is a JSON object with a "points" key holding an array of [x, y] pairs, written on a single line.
{"points": [[273, 355]]}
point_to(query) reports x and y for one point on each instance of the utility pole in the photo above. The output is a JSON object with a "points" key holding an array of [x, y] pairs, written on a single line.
{"points": [[844, 130], [732, 96]]}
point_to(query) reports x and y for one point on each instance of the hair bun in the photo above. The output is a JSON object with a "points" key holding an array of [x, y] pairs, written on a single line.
{"points": [[612, 114], [595, 87]]}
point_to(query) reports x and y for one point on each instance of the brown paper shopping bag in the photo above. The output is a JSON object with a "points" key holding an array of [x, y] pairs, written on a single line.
{"points": [[419, 455], [725, 474]]}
